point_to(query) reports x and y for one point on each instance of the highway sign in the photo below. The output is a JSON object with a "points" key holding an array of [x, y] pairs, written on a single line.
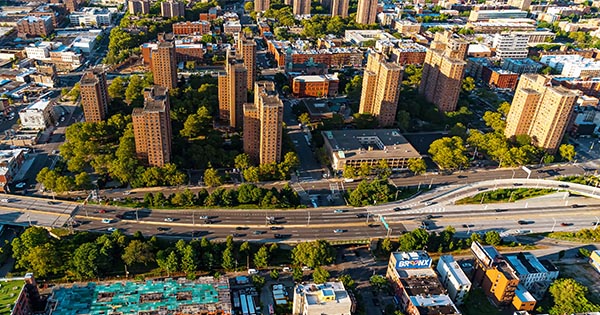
{"points": [[385, 224]]}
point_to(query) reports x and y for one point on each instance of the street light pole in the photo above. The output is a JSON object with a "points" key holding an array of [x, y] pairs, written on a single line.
{"points": [[553, 225]]}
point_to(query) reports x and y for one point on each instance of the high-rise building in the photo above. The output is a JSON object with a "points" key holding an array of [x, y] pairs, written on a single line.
{"points": [[511, 45], [261, 5], [443, 71], [520, 4], [381, 89], [152, 127], [233, 88], [35, 26], [94, 95], [287, 2], [246, 50], [138, 7], [263, 124], [301, 7], [339, 8], [366, 12], [164, 64], [541, 111], [172, 8]]}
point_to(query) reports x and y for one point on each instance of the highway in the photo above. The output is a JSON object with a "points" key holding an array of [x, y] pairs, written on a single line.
{"points": [[435, 207]]}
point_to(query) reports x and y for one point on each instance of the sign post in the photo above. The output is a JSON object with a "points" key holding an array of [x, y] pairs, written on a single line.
{"points": [[527, 170]]}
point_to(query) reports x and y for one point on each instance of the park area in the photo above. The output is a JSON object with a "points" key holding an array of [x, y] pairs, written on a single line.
{"points": [[505, 195]]}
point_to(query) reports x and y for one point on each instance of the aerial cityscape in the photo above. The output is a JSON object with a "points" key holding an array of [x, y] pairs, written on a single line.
{"points": [[296, 157]]}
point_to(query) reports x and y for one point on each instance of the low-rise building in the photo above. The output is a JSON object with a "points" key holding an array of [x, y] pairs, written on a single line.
{"points": [[521, 66], [353, 147], [360, 37], [35, 26], [85, 42], [327, 298], [500, 25], [534, 275], [54, 53], [499, 78], [91, 16], [10, 164], [511, 45], [191, 28], [572, 65], [38, 115], [232, 27], [453, 279], [407, 52], [406, 27], [287, 53], [315, 85], [479, 51], [486, 15], [595, 259]]}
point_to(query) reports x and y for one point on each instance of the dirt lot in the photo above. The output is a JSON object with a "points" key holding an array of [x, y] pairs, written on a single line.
{"points": [[583, 273]]}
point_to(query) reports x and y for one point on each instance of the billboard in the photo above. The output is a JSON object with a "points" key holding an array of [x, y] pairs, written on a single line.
{"points": [[414, 264]]}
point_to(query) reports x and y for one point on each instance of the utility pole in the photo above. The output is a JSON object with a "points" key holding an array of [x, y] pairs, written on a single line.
{"points": [[431, 183], [553, 225]]}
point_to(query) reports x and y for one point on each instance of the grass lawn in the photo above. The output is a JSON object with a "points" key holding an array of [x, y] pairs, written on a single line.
{"points": [[477, 303], [505, 195], [9, 292]]}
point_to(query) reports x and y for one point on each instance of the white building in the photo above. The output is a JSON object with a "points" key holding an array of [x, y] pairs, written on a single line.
{"points": [[511, 45], [535, 275], [91, 17], [40, 50], [37, 115], [330, 298], [85, 43], [572, 65], [453, 279], [359, 37]]}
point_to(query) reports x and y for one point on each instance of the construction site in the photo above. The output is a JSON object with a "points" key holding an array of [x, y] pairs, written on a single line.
{"points": [[204, 296]]}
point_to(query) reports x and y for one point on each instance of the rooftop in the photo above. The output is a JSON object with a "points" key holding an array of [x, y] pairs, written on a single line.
{"points": [[369, 143], [329, 297], [38, 106], [525, 263], [202, 295], [434, 304], [523, 294], [415, 286], [316, 78], [454, 268], [9, 292]]}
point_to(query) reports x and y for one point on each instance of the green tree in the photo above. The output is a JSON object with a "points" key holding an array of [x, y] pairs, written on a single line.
{"points": [[313, 254], [383, 169], [228, 262], [242, 161], [189, 263], [85, 261], [116, 89], [251, 174], [349, 172], [274, 274], [249, 6], [197, 124], [347, 281], [403, 119], [297, 274], [212, 178], [493, 238], [495, 121], [133, 93], [386, 245], [190, 65], [379, 282], [567, 152], [83, 181], [570, 297], [304, 118], [43, 260], [449, 153], [364, 169], [259, 282], [138, 252], [320, 275], [64, 184], [261, 257], [417, 166], [468, 84]]}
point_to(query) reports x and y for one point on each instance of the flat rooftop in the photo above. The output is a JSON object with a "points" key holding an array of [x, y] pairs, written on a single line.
{"points": [[422, 286], [370, 143], [525, 263], [434, 304], [202, 295], [455, 269], [9, 292], [326, 298], [316, 78], [38, 106]]}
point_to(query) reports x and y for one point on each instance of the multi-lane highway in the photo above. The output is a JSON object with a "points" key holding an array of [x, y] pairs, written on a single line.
{"points": [[435, 208]]}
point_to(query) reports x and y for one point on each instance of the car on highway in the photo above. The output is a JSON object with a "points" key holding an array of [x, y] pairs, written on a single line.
{"points": [[338, 231], [397, 209], [258, 232], [208, 221], [468, 225], [106, 221], [482, 188], [162, 229], [240, 228], [577, 206], [239, 234], [203, 217], [517, 184], [111, 229], [101, 211], [501, 210], [563, 186], [20, 185], [339, 211], [596, 223], [361, 215], [565, 224], [277, 235], [524, 222], [169, 220], [275, 228]]}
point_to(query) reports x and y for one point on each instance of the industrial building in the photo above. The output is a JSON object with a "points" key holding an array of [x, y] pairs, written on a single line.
{"points": [[328, 298], [203, 296], [353, 147]]}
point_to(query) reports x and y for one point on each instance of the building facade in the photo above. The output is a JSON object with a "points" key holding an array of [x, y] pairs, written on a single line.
{"points": [[94, 95], [35, 26], [540, 111], [315, 85], [152, 127], [38, 115], [381, 89], [261, 5], [301, 7], [453, 279], [170, 9], [164, 64], [233, 87], [366, 12], [263, 124], [10, 164], [136, 7], [325, 298], [339, 8], [91, 17], [511, 45], [246, 51], [191, 28], [443, 71]]}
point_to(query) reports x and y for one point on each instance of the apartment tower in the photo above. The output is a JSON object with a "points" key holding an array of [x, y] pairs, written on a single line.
{"points": [[164, 64], [301, 7], [261, 5], [443, 71], [94, 95], [366, 12], [233, 88], [381, 89], [170, 9], [152, 127], [541, 111], [138, 7], [339, 8], [246, 50], [263, 124]]}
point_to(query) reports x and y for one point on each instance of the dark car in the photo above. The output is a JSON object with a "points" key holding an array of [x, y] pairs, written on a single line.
{"points": [[563, 186], [501, 210], [160, 228], [208, 221], [577, 206], [239, 234], [361, 215], [239, 228], [397, 209], [566, 224], [275, 228], [119, 216], [524, 222], [258, 232], [517, 184], [279, 236]]}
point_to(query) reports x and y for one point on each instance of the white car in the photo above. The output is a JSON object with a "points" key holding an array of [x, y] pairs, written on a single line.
{"points": [[111, 229], [203, 217], [338, 231], [169, 220], [20, 185], [106, 220]]}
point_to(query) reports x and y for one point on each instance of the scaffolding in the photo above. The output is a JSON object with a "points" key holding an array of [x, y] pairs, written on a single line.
{"points": [[205, 296]]}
